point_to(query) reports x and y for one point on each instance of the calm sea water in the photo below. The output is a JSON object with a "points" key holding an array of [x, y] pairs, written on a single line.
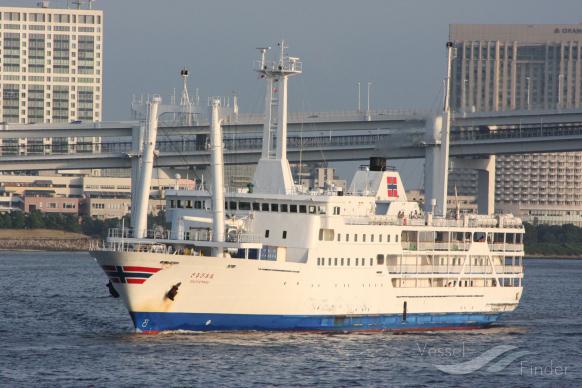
{"points": [[58, 327]]}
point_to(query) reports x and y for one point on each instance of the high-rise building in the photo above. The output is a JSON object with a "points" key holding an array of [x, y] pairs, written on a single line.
{"points": [[522, 67], [51, 68], [500, 67]]}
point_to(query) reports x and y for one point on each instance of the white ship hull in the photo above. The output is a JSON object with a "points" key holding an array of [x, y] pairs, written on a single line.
{"points": [[229, 294]]}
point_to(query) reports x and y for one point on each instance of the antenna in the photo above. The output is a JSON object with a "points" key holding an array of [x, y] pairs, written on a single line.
{"points": [[263, 51], [185, 102]]}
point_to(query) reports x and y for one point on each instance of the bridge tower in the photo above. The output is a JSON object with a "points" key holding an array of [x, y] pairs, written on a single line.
{"points": [[273, 174]]}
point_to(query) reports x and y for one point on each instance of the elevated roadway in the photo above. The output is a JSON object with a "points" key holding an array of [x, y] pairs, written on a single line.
{"points": [[320, 136]]}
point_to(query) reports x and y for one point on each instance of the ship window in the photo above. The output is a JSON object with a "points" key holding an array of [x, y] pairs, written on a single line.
{"points": [[267, 233], [318, 260], [371, 261], [355, 237], [302, 209], [256, 206], [329, 261], [371, 238], [244, 206], [179, 203], [326, 234], [336, 210], [380, 259], [172, 203], [342, 261], [284, 234], [284, 208], [348, 261], [387, 238], [265, 207], [395, 238], [357, 261], [347, 237], [274, 207], [380, 237], [197, 204], [479, 236], [293, 208], [232, 205], [312, 209], [339, 237], [335, 261], [364, 237], [188, 204], [322, 210]]}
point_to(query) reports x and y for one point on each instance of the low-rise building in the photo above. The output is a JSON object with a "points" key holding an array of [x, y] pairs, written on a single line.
{"points": [[95, 196], [51, 204], [465, 203], [10, 203]]}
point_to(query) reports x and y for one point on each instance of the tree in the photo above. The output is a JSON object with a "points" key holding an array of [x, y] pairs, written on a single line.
{"points": [[5, 221], [71, 223], [35, 220], [18, 220]]}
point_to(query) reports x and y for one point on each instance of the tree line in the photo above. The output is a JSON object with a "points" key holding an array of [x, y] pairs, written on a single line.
{"points": [[553, 240], [68, 222]]}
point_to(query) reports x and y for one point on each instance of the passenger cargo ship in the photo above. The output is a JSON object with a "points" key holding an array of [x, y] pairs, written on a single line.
{"points": [[280, 257]]}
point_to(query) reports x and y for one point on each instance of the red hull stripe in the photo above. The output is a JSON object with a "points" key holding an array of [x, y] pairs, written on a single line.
{"points": [[135, 281], [141, 269]]}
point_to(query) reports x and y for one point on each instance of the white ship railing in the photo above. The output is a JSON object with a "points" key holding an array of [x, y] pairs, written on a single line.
{"points": [[192, 235], [244, 238], [429, 269], [505, 247], [457, 246], [471, 222]]}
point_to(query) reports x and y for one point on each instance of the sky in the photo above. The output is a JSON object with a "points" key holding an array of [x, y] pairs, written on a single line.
{"points": [[399, 46]]}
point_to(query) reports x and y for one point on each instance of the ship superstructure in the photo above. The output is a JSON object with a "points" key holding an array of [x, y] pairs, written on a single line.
{"points": [[278, 257]]}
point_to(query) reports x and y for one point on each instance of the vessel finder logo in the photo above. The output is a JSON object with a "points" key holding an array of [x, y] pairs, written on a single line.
{"points": [[129, 274], [485, 360], [392, 185]]}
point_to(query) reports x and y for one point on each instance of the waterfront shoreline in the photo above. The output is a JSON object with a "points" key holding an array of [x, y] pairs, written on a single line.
{"points": [[40, 240]]}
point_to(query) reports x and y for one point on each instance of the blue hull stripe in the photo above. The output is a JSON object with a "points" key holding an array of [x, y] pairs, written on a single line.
{"points": [[152, 321]]}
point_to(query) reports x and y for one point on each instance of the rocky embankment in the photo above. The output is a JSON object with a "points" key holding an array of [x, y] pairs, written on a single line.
{"points": [[43, 240]]}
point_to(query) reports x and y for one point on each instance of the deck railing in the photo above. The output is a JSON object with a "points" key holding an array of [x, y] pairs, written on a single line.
{"points": [[437, 269]]}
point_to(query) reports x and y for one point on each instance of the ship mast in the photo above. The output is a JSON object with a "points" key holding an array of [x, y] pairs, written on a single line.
{"points": [[217, 164], [145, 171], [273, 174]]}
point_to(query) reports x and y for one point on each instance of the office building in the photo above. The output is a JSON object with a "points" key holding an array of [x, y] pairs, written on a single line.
{"points": [[51, 68], [521, 67]]}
